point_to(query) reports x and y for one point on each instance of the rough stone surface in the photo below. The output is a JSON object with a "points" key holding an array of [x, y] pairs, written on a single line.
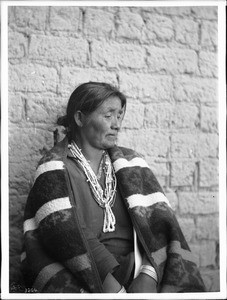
{"points": [[207, 227], [16, 108], [158, 115], [184, 145], [182, 173], [209, 119], [166, 115], [198, 203], [209, 35], [165, 61], [31, 17], [208, 64], [158, 27], [209, 173], [135, 109], [73, 76], [63, 18], [17, 44], [203, 12], [59, 49], [114, 55], [44, 109], [185, 116], [172, 61], [194, 145], [205, 253], [24, 142], [141, 140], [98, 23], [172, 11], [208, 145], [129, 25], [192, 89], [32, 78], [187, 32], [146, 87]]}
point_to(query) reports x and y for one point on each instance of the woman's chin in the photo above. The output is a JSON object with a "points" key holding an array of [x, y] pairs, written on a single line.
{"points": [[109, 144]]}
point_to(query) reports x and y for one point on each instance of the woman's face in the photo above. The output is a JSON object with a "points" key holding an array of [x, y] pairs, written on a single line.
{"points": [[100, 129]]}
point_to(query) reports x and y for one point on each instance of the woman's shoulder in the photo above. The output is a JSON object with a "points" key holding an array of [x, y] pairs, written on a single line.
{"points": [[130, 152], [56, 153], [123, 152]]}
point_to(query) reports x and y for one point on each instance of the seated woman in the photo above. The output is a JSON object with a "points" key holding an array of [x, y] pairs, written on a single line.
{"points": [[96, 219]]}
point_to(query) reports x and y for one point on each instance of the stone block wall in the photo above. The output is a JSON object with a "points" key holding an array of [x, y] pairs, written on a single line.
{"points": [[165, 60]]}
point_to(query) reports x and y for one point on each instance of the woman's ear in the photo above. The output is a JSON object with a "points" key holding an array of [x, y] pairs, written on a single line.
{"points": [[79, 118]]}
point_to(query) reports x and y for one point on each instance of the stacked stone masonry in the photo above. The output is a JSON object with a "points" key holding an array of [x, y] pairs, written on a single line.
{"points": [[165, 60]]}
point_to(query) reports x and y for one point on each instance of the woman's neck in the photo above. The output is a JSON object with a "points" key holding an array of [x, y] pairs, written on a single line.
{"points": [[93, 155]]}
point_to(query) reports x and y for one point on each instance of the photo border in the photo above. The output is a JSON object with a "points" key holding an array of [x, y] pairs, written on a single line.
{"points": [[5, 160]]}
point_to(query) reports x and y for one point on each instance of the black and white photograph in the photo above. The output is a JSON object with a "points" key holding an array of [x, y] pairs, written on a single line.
{"points": [[113, 150]]}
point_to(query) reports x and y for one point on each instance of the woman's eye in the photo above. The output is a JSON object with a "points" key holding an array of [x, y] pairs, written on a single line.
{"points": [[108, 116]]}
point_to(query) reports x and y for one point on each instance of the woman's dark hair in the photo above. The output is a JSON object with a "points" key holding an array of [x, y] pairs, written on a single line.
{"points": [[86, 98]]}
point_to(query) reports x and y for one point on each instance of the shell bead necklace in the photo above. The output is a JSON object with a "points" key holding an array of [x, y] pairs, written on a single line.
{"points": [[105, 198]]}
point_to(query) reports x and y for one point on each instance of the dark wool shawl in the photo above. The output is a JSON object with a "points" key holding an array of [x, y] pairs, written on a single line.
{"points": [[56, 255]]}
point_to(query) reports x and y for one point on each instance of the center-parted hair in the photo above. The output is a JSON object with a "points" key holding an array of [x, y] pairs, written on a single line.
{"points": [[86, 98]]}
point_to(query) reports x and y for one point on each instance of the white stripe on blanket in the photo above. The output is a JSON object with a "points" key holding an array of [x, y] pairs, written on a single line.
{"points": [[148, 200], [49, 166], [121, 163], [51, 207], [160, 255], [30, 224], [46, 274], [45, 210]]}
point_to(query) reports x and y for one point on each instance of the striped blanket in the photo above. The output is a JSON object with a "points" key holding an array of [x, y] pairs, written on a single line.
{"points": [[56, 256]]}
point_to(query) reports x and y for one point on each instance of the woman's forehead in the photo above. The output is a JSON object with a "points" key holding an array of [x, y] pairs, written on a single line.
{"points": [[111, 103]]}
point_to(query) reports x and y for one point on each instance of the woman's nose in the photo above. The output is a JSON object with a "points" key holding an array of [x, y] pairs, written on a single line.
{"points": [[116, 123]]}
